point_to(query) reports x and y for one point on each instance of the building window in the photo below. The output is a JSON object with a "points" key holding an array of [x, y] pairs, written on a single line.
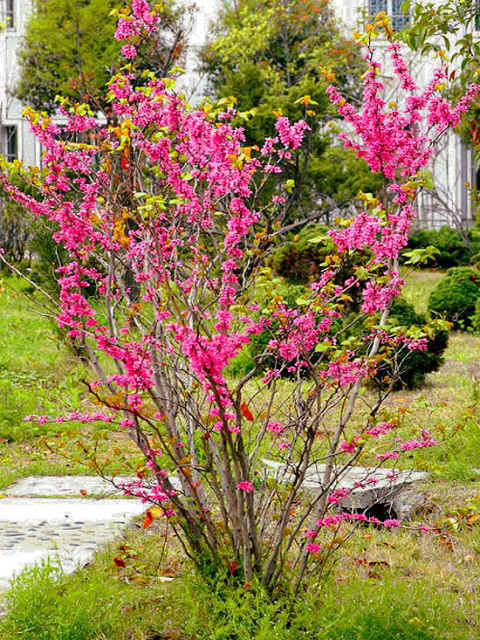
{"points": [[378, 5], [10, 14], [393, 8], [10, 143]]}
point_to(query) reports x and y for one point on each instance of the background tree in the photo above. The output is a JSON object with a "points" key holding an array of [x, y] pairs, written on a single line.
{"points": [[276, 56], [68, 50], [450, 29]]}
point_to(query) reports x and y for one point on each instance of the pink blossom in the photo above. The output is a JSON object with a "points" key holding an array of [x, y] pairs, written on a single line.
{"points": [[245, 485], [129, 51]]}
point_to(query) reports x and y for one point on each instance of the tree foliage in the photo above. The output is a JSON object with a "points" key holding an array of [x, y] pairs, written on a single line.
{"points": [[68, 50], [277, 57], [449, 29]]}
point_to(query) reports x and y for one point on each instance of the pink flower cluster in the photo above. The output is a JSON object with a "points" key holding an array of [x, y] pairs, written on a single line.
{"points": [[245, 485], [334, 520], [408, 445], [291, 135], [391, 142]]}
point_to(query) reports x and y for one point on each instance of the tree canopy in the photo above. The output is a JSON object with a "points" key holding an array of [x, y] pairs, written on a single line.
{"points": [[68, 49], [450, 29]]}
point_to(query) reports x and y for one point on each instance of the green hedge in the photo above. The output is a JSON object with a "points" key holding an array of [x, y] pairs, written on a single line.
{"points": [[408, 368], [412, 366]]}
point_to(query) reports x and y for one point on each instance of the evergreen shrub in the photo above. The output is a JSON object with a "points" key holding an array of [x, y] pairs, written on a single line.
{"points": [[475, 319], [298, 259], [454, 297], [453, 251], [409, 368]]}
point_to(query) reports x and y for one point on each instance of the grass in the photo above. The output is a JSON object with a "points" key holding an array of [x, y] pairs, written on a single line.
{"points": [[395, 585], [418, 286], [385, 585], [38, 374]]}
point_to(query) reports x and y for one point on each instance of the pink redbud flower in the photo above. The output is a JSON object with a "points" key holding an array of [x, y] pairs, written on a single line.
{"points": [[245, 485]]}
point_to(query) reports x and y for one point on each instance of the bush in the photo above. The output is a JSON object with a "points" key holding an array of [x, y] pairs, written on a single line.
{"points": [[47, 255], [411, 368], [454, 297], [245, 360], [15, 226], [475, 319], [16, 221], [299, 259], [452, 248]]}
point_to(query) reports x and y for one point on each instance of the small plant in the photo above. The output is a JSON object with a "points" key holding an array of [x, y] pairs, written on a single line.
{"points": [[44, 604], [455, 296]]}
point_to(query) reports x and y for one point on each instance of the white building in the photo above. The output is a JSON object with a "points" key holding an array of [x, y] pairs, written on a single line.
{"points": [[16, 140], [453, 166]]}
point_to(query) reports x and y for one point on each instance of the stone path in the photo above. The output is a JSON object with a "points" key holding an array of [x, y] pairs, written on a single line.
{"points": [[35, 523], [70, 517], [65, 486]]}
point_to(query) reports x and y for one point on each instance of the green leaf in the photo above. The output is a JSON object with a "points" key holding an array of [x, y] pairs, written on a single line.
{"points": [[318, 239], [421, 256], [321, 347]]}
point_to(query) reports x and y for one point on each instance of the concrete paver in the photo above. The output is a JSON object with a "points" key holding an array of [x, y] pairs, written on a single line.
{"points": [[67, 529]]}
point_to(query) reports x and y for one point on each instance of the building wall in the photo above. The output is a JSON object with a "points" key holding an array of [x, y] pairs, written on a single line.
{"points": [[28, 149]]}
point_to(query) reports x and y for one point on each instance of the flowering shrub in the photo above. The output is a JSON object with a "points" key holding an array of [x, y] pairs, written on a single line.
{"points": [[166, 202]]}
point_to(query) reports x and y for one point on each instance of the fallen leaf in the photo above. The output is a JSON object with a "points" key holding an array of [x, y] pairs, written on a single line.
{"points": [[148, 519], [120, 562]]}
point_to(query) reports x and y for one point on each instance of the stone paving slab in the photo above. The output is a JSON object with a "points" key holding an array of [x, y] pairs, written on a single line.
{"points": [[368, 486], [34, 529], [71, 486]]}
